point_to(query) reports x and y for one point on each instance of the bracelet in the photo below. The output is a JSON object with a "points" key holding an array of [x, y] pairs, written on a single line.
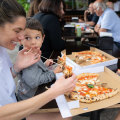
{"points": [[13, 71]]}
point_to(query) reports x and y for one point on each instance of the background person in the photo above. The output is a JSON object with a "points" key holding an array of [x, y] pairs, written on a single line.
{"points": [[105, 23], [114, 4], [12, 24], [50, 13], [33, 8], [89, 16], [117, 5], [110, 4]]}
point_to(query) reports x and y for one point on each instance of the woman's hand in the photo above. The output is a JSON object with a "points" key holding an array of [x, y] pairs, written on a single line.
{"points": [[26, 58], [63, 85], [87, 11], [48, 62]]}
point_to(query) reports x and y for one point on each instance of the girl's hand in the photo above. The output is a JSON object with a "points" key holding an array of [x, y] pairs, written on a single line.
{"points": [[48, 62], [26, 58]]}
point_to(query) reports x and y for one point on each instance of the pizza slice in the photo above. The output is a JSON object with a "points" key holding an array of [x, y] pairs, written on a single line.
{"points": [[67, 71], [98, 58], [88, 78], [92, 93], [88, 57], [62, 60]]}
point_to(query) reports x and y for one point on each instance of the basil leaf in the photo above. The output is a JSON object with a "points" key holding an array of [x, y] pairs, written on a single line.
{"points": [[90, 85]]}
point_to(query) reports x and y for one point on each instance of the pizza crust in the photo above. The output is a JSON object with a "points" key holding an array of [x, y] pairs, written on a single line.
{"points": [[85, 99]]}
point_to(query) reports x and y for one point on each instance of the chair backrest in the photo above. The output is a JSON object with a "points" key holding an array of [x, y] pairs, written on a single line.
{"points": [[105, 44]]}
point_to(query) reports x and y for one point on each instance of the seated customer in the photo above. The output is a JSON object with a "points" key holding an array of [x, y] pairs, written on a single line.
{"points": [[109, 21], [89, 16], [117, 5], [33, 8], [114, 4], [50, 13], [110, 4]]}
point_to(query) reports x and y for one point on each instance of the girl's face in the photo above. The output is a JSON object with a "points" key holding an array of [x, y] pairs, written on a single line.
{"points": [[33, 39], [11, 33]]}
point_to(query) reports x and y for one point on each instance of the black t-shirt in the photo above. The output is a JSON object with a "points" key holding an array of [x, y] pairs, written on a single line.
{"points": [[52, 30], [93, 17]]}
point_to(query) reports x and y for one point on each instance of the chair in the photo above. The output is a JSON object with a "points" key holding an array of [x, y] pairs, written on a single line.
{"points": [[103, 43], [106, 44]]}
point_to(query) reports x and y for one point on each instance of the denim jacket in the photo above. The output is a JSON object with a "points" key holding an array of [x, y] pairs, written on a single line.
{"points": [[31, 78]]}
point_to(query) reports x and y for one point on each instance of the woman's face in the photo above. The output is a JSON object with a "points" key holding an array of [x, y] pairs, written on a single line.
{"points": [[91, 8], [61, 10], [11, 33]]}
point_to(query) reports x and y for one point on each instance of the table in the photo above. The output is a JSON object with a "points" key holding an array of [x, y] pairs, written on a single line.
{"points": [[83, 35]]}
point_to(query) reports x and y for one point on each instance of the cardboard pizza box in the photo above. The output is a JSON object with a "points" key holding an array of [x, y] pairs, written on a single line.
{"points": [[109, 62], [106, 76]]}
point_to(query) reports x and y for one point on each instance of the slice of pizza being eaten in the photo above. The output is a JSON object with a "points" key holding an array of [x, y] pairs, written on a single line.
{"points": [[67, 71], [62, 60]]}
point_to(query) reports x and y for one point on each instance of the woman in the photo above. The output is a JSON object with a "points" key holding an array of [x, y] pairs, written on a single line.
{"points": [[33, 8], [90, 17], [50, 13], [113, 4], [12, 24]]}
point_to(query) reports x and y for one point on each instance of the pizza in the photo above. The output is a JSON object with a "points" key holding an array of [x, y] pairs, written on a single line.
{"points": [[88, 57], [88, 78], [62, 60], [88, 93], [67, 71]]}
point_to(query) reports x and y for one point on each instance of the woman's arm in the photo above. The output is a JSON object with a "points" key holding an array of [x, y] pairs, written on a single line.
{"points": [[17, 111], [91, 23], [85, 15]]}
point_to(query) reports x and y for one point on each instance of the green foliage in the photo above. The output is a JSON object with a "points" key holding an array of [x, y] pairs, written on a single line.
{"points": [[25, 4]]}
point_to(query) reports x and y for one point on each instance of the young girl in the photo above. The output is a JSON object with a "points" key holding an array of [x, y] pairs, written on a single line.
{"points": [[38, 73]]}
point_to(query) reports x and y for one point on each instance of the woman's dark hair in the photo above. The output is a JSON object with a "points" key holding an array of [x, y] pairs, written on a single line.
{"points": [[9, 10], [51, 6], [34, 25], [33, 8]]}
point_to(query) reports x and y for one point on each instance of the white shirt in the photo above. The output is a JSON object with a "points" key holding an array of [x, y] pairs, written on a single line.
{"points": [[109, 20], [117, 6], [7, 84]]}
